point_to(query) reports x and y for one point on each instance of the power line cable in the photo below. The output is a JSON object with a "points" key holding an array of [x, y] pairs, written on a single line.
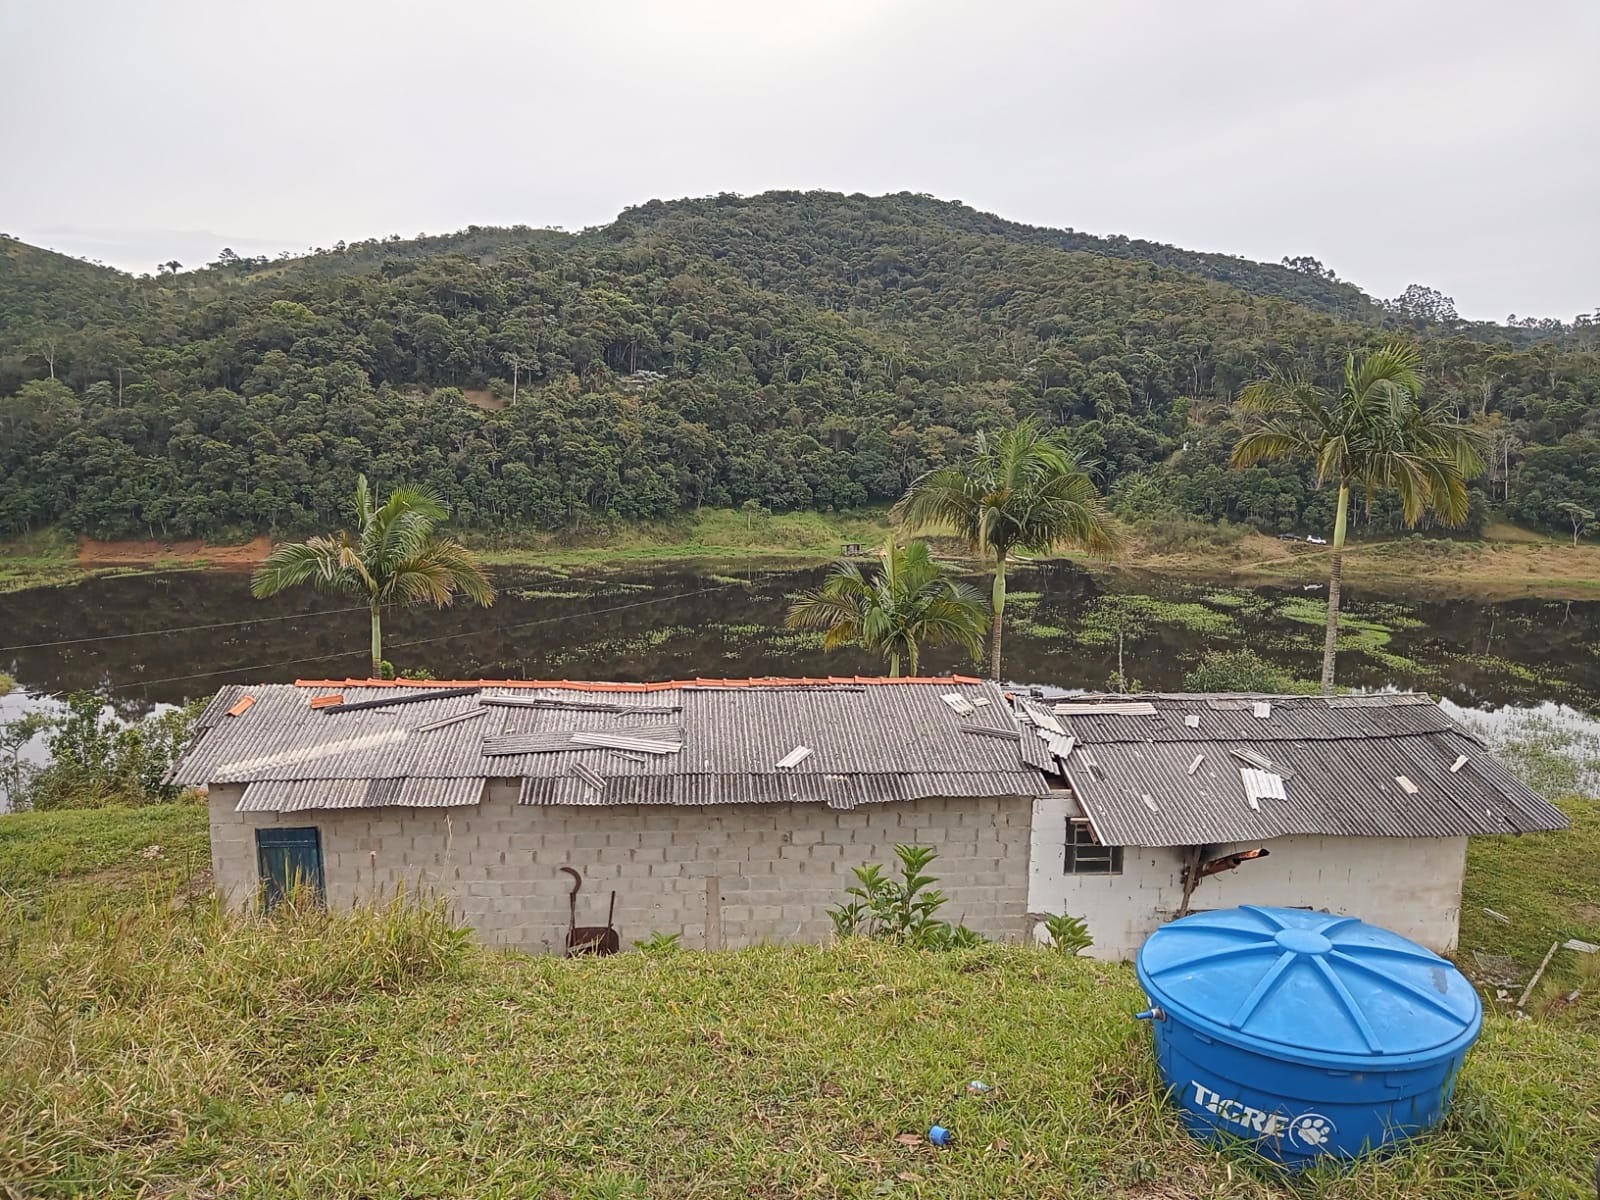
{"points": [[289, 662], [112, 637]]}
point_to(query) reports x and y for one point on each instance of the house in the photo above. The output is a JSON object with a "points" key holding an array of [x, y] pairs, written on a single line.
{"points": [[733, 811], [1346, 804]]}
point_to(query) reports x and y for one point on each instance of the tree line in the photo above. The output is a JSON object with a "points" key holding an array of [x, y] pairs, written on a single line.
{"points": [[802, 351]]}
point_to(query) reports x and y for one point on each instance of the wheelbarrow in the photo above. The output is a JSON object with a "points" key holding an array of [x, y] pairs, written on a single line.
{"points": [[589, 939]]}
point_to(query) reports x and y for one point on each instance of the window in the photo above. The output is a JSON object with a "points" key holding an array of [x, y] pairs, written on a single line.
{"points": [[1085, 856], [288, 859]]}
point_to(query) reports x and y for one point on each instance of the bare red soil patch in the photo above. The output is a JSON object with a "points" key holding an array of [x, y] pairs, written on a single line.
{"points": [[93, 553]]}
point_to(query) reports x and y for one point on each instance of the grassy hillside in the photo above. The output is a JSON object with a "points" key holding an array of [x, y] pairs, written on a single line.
{"points": [[179, 1052], [100, 857]]}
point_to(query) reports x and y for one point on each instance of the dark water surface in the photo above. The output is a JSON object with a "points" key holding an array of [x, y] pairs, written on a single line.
{"points": [[721, 620]]}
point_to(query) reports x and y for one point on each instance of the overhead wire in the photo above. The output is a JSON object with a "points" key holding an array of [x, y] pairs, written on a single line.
{"points": [[112, 637], [289, 662]]}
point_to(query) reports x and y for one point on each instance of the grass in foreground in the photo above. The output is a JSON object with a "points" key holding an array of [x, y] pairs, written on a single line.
{"points": [[147, 1050]]}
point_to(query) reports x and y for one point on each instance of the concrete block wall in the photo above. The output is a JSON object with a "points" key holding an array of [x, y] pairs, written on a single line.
{"points": [[728, 875], [1409, 885]]}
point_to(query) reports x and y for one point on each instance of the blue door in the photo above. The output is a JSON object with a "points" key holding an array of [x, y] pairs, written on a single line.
{"points": [[288, 859]]}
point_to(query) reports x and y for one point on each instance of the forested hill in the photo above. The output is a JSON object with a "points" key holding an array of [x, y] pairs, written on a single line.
{"points": [[800, 350], [832, 229], [43, 293]]}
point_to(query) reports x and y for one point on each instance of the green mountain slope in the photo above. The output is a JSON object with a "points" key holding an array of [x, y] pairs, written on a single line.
{"points": [[42, 288], [802, 350], [832, 224]]}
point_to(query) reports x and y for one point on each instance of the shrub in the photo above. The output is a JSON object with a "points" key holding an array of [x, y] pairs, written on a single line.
{"points": [[97, 759], [1177, 534], [900, 910], [1242, 671], [1068, 934]]}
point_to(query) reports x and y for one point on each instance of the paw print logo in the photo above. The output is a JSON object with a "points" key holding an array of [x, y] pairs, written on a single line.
{"points": [[1312, 1130]]}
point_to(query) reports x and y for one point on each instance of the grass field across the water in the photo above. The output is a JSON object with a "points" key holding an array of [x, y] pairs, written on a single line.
{"points": [[148, 1049], [1507, 562]]}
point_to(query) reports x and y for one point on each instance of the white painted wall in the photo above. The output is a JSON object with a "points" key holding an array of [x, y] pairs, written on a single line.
{"points": [[1409, 885]]}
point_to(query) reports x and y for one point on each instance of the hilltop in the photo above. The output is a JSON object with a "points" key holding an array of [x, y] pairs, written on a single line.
{"points": [[808, 351]]}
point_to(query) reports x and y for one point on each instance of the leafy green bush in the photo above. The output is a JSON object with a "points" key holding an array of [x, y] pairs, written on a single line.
{"points": [[98, 760], [900, 910], [1242, 671], [1177, 533]]}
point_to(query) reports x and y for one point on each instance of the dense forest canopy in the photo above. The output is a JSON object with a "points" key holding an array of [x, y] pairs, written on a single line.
{"points": [[802, 350]]}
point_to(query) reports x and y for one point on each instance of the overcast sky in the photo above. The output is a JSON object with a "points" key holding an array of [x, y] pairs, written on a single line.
{"points": [[1454, 143]]}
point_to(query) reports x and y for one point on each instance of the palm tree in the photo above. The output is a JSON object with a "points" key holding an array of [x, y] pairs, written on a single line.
{"points": [[911, 600], [1020, 490], [1373, 434], [395, 557]]}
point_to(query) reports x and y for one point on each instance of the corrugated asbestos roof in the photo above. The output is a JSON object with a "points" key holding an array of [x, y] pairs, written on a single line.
{"points": [[1339, 759], [292, 795], [871, 741], [1189, 770]]}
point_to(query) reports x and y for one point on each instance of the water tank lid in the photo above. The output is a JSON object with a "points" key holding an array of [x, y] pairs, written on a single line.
{"points": [[1309, 987]]}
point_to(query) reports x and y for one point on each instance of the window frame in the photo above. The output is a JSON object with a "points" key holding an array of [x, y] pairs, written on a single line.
{"points": [[1100, 859]]}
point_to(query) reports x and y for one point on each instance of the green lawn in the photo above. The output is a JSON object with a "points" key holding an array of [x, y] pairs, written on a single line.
{"points": [[177, 1052]]}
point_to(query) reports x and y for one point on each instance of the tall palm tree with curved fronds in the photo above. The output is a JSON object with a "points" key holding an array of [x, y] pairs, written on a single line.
{"points": [[1372, 434], [911, 600], [393, 557], [1021, 489]]}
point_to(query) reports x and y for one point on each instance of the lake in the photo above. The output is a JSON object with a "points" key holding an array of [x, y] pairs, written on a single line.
{"points": [[163, 638]]}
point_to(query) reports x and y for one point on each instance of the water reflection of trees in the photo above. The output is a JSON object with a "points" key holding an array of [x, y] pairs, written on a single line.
{"points": [[685, 621]]}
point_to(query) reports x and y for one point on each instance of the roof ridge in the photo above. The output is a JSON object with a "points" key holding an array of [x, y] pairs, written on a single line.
{"points": [[600, 685]]}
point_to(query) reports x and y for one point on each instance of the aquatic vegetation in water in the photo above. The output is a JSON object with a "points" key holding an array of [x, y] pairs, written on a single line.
{"points": [[1126, 616], [1519, 671], [1555, 750], [1395, 616], [546, 594], [1035, 629], [1131, 616], [624, 647], [1239, 601], [736, 638], [1358, 632]]}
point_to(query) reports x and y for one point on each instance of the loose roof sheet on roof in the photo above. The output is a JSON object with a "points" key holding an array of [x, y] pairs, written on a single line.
{"points": [[695, 742], [1340, 759]]}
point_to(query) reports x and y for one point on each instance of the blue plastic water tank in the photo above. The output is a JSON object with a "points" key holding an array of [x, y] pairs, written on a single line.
{"points": [[1307, 1034]]}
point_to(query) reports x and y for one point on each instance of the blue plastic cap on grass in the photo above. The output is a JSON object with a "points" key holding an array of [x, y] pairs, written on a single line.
{"points": [[940, 1136]]}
